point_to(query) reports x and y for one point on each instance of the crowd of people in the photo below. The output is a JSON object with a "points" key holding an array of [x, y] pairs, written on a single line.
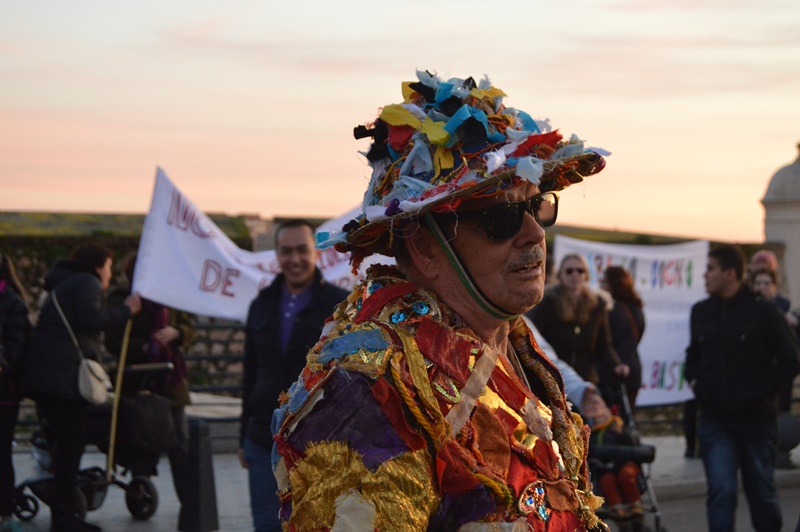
{"points": [[455, 390], [42, 363]]}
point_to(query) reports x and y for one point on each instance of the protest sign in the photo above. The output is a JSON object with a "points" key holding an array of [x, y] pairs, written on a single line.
{"points": [[669, 279], [186, 262]]}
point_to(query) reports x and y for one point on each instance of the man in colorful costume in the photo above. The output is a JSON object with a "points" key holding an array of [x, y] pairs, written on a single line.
{"points": [[426, 404]]}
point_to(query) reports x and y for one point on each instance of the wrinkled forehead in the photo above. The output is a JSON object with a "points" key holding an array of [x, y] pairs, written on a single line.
{"points": [[518, 193]]}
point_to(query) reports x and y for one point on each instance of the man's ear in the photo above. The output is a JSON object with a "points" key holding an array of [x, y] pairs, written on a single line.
{"points": [[731, 276], [423, 252]]}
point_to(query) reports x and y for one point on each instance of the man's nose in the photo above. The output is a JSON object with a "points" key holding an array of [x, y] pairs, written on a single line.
{"points": [[531, 230]]}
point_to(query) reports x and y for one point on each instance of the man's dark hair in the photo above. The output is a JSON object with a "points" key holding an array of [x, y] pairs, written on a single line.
{"points": [[92, 256], [728, 257], [294, 222]]}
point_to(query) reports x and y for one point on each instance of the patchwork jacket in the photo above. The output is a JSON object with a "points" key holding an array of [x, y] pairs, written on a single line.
{"points": [[403, 419]]}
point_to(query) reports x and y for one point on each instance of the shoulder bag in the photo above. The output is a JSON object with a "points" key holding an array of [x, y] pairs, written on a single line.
{"points": [[93, 381]]}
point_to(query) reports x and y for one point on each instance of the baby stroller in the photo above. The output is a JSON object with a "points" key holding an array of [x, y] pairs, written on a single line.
{"points": [[618, 452], [141, 435]]}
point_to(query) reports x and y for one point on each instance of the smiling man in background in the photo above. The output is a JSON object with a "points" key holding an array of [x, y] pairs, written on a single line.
{"points": [[283, 323]]}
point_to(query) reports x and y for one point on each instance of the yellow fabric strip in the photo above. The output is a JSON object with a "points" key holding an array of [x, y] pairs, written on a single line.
{"points": [[419, 376], [407, 91], [442, 159], [397, 115], [493, 92], [435, 132]]}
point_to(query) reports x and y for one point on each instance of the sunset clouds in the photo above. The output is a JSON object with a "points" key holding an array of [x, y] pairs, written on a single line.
{"points": [[249, 106]]}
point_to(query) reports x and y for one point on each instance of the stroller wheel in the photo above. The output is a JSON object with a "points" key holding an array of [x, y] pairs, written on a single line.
{"points": [[141, 497], [25, 506]]}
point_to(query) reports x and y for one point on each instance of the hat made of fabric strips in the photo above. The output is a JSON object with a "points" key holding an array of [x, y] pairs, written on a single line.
{"points": [[450, 140]]}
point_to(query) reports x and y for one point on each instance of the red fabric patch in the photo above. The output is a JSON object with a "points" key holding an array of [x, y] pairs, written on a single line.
{"points": [[564, 522], [291, 456], [453, 468], [550, 139], [537, 524], [380, 298], [446, 349], [520, 474], [312, 378], [392, 406], [508, 389], [509, 422], [546, 461], [399, 136]]}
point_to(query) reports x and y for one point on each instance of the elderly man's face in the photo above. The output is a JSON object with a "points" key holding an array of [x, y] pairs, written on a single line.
{"points": [[509, 272]]}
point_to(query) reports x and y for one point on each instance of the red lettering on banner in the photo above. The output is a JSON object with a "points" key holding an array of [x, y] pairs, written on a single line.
{"points": [[211, 270], [665, 375], [654, 375], [215, 277], [183, 217], [229, 274]]}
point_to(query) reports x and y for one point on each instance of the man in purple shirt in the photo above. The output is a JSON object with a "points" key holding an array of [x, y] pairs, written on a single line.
{"points": [[283, 323]]}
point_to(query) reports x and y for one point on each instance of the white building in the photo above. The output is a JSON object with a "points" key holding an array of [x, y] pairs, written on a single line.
{"points": [[782, 222]]}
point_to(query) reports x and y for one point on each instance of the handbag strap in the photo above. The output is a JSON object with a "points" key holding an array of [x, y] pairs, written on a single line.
{"points": [[66, 324]]}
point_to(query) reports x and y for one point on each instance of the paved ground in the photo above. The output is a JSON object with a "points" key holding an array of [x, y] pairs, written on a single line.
{"points": [[672, 476]]}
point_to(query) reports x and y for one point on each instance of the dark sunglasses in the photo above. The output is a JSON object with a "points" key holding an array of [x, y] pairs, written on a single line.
{"points": [[570, 271], [504, 220]]}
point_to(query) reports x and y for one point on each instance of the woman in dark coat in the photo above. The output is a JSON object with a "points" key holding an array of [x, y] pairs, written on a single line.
{"points": [[626, 319], [50, 372], [574, 320], [14, 333]]}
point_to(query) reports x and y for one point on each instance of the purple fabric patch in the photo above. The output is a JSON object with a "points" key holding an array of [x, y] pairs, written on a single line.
{"points": [[285, 513], [348, 412], [456, 509], [393, 207]]}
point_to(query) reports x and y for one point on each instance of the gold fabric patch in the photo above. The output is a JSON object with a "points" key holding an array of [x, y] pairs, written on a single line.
{"points": [[403, 492], [329, 468], [401, 488], [369, 363]]}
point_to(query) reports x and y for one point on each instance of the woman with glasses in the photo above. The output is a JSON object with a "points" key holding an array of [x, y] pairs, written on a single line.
{"points": [[574, 320]]}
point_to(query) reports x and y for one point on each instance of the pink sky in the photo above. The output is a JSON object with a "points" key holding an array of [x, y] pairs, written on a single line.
{"points": [[249, 106]]}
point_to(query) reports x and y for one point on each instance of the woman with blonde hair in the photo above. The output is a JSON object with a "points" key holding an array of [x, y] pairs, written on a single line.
{"points": [[573, 318]]}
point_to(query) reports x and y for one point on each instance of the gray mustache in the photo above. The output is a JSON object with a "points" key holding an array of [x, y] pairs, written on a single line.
{"points": [[535, 254]]}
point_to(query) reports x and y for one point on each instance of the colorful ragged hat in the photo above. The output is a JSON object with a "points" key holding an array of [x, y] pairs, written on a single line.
{"points": [[450, 139]]}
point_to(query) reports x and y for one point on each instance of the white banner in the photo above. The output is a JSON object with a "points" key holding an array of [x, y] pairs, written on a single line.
{"points": [[669, 280], [186, 262]]}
